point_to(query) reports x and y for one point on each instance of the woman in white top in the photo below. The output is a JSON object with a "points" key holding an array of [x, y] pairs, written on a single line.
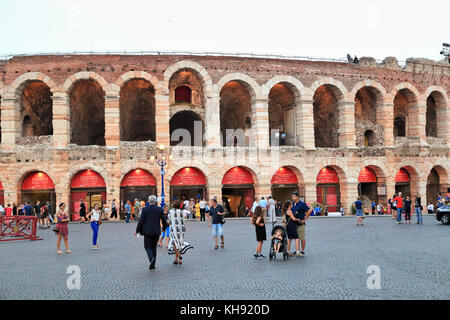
{"points": [[177, 245], [94, 217]]}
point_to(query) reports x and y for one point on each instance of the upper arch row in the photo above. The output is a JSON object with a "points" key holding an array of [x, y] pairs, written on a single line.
{"points": [[256, 90]]}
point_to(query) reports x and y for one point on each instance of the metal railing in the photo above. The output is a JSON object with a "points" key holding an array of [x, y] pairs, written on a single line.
{"points": [[187, 53]]}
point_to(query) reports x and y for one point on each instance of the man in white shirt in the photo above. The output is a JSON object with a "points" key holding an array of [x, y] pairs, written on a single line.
{"points": [[271, 212], [202, 211], [255, 204]]}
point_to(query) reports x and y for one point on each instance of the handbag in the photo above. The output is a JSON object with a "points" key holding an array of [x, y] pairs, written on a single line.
{"points": [[56, 230], [99, 222]]}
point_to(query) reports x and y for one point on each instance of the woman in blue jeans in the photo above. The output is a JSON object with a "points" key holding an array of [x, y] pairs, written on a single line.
{"points": [[94, 217]]}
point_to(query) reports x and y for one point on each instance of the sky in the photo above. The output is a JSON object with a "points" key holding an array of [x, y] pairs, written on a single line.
{"points": [[328, 29]]}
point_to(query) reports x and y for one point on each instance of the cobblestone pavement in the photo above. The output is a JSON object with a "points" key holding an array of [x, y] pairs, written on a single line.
{"points": [[414, 261]]}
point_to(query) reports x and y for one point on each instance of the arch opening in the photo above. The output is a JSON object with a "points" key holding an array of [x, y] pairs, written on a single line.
{"points": [[235, 114], [366, 120], [188, 183], [326, 117], [137, 184], [137, 111], [36, 109], [186, 125], [38, 189], [282, 115], [436, 110], [186, 87], [238, 192], [87, 188], [87, 113], [328, 191], [404, 102]]}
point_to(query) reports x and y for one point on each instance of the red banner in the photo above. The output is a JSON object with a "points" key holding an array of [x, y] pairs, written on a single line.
{"points": [[367, 175], [1, 186], [402, 176], [327, 176], [237, 175], [332, 200], [138, 178], [284, 175], [87, 179], [38, 181], [188, 177]]}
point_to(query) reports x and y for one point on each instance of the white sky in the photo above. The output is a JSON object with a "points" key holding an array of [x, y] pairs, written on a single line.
{"points": [[321, 28]]}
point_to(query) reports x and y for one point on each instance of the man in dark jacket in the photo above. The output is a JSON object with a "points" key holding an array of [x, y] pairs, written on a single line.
{"points": [[149, 226]]}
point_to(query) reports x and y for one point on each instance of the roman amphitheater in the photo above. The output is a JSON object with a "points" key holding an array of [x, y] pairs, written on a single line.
{"points": [[89, 127]]}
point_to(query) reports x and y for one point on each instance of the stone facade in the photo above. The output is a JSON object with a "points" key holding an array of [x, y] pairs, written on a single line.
{"points": [[58, 157]]}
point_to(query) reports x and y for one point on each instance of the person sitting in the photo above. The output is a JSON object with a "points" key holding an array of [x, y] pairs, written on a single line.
{"points": [[277, 240]]}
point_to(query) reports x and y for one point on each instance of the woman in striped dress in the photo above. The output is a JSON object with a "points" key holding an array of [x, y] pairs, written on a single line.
{"points": [[177, 245]]}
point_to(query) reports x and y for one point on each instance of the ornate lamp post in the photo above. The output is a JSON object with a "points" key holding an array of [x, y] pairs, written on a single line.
{"points": [[162, 162]]}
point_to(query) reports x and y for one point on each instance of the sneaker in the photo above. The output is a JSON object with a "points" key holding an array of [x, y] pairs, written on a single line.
{"points": [[256, 256], [262, 256], [299, 254], [303, 253]]}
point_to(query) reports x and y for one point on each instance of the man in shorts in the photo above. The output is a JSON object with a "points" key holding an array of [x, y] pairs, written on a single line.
{"points": [[216, 215], [302, 212]]}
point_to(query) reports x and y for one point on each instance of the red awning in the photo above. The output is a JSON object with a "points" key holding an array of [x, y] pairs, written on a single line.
{"points": [[188, 177], [38, 181], [327, 176], [138, 178], [237, 175], [284, 175], [87, 179], [367, 175], [402, 176]]}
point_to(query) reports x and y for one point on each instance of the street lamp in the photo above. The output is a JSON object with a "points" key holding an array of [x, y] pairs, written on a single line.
{"points": [[162, 162]]}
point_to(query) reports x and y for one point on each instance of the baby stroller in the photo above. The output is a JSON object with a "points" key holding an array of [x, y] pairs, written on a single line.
{"points": [[283, 246]]}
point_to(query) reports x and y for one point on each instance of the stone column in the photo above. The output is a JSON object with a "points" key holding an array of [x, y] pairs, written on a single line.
{"points": [[112, 119], [443, 123], [417, 120], [214, 190], [310, 191], [61, 119], [386, 119], [162, 114], [346, 110], [212, 121], [10, 120], [349, 193], [260, 122], [305, 123]]}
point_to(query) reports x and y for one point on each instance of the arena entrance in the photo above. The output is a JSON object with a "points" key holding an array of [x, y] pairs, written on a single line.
{"points": [[238, 191], [367, 186], [403, 182], [188, 183], [284, 183], [137, 184], [38, 186], [88, 186], [328, 189]]}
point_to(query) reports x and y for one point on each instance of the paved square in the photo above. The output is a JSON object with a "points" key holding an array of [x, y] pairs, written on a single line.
{"points": [[414, 262]]}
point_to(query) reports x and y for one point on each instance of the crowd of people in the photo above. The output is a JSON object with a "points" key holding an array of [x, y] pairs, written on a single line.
{"points": [[167, 225], [43, 211], [399, 206]]}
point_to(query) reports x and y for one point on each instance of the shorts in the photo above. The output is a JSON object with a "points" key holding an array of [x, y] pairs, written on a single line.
{"points": [[301, 232], [217, 230], [359, 213], [165, 233]]}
